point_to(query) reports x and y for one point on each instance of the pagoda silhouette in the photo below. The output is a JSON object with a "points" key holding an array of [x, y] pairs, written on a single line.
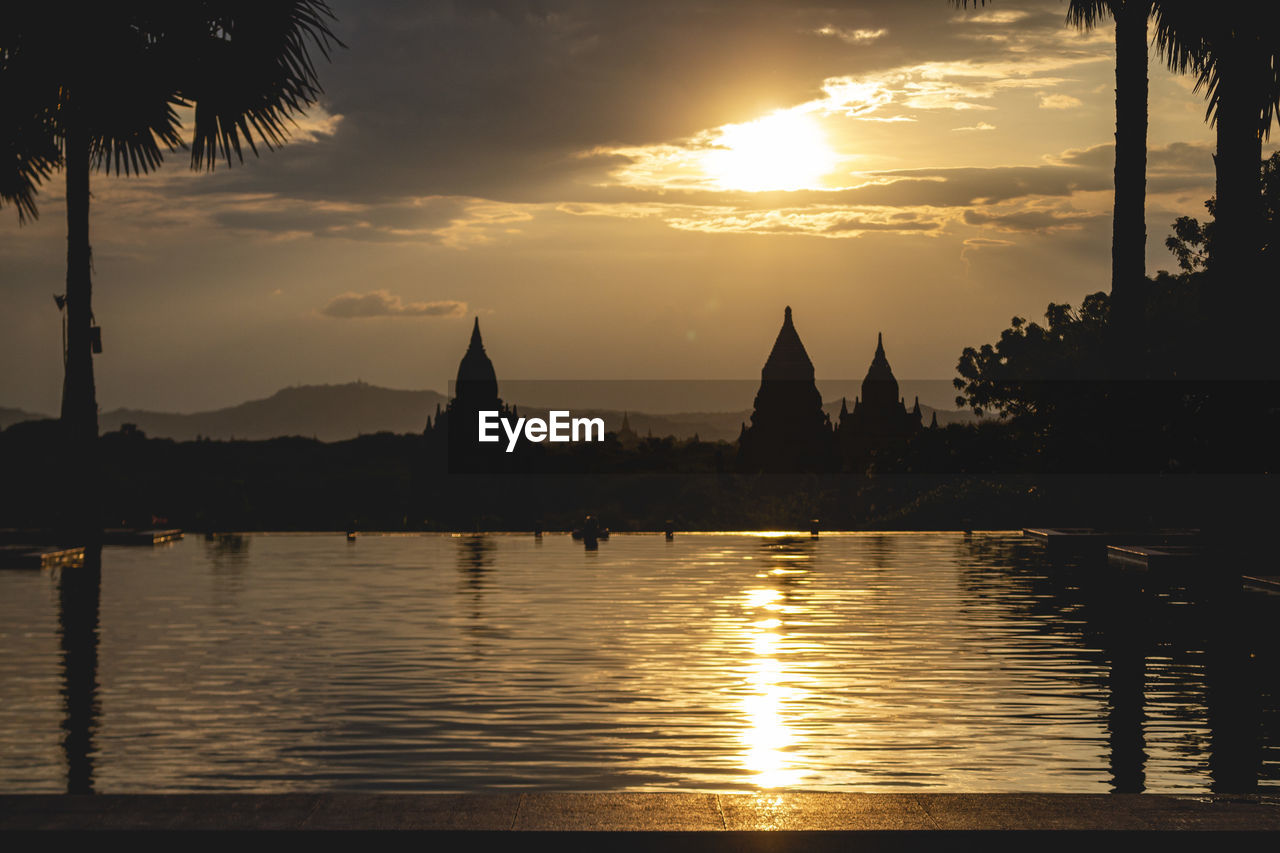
{"points": [[456, 426], [789, 431], [880, 419], [626, 437]]}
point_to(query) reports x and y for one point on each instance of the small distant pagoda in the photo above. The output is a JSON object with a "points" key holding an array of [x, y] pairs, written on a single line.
{"points": [[880, 418], [789, 431], [626, 436]]}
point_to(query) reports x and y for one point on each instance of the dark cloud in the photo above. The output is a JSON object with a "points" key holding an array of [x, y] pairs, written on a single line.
{"points": [[382, 303], [496, 99], [855, 224], [1183, 158], [1029, 220], [420, 220]]}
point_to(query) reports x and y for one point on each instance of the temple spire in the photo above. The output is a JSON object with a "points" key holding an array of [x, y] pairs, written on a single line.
{"points": [[477, 381], [879, 342], [788, 359]]}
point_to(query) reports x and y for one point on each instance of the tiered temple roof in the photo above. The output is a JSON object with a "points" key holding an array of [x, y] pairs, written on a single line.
{"points": [[788, 359], [789, 430]]}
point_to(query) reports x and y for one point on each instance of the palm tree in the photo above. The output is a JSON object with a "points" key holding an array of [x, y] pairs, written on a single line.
{"points": [[98, 86], [1128, 218], [1235, 52]]}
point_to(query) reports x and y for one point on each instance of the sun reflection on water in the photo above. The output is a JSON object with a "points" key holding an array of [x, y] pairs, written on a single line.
{"points": [[770, 737]]}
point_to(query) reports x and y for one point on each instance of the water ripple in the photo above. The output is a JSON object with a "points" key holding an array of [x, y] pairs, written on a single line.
{"points": [[717, 662]]}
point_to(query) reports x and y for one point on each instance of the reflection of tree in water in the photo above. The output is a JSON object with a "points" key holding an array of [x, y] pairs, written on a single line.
{"points": [[79, 591], [1101, 614], [227, 548], [475, 563], [228, 555], [475, 559], [1213, 666], [1242, 689]]}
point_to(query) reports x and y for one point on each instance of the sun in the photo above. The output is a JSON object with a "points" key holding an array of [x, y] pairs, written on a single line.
{"points": [[785, 150]]}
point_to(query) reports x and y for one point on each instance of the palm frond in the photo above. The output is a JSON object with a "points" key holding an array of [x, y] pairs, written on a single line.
{"points": [[30, 151], [1087, 14], [1193, 41], [129, 106], [250, 72]]}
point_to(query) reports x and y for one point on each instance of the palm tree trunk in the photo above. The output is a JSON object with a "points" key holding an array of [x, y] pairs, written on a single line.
{"points": [[1238, 215], [1128, 223], [79, 402]]}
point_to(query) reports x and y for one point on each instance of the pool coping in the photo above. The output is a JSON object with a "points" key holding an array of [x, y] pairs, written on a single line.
{"points": [[702, 814]]}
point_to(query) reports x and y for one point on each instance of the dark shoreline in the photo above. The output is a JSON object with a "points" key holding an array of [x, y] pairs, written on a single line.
{"points": [[387, 482]]}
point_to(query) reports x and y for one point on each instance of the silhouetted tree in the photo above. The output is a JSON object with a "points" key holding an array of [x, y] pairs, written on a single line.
{"points": [[1055, 386], [98, 86], [1193, 244], [1234, 49], [1026, 372], [1128, 223], [1191, 241], [1128, 220]]}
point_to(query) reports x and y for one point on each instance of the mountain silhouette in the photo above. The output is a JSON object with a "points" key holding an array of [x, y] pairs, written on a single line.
{"points": [[9, 417], [340, 412], [326, 412]]}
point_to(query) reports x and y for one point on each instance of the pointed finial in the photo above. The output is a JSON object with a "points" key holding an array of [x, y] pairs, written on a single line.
{"points": [[786, 314], [879, 343], [844, 407], [475, 335]]}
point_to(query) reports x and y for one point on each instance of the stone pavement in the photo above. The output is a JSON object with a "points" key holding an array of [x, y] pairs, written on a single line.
{"points": [[801, 821]]}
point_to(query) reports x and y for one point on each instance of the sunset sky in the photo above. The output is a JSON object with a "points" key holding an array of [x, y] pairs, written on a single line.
{"points": [[618, 190]]}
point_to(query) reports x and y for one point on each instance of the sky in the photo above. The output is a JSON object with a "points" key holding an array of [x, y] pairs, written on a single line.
{"points": [[617, 191]]}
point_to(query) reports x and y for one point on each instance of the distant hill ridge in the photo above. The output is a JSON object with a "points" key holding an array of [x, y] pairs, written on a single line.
{"points": [[339, 412], [326, 412], [9, 417]]}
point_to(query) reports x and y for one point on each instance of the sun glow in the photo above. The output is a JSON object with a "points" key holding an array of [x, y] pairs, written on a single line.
{"points": [[785, 150]]}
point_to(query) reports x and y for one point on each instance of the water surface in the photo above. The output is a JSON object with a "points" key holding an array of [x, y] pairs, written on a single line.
{"points": [[716, 662]]}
